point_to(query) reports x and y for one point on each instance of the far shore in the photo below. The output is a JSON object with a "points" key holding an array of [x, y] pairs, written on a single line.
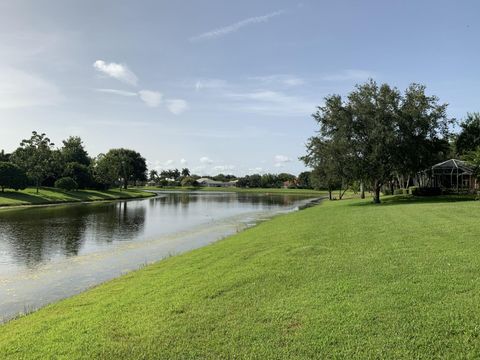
{"points": [[51, 196]]}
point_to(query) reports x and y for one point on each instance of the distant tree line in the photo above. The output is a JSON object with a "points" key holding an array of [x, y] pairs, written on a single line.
{"points": [[378, 138], [36, 162]]}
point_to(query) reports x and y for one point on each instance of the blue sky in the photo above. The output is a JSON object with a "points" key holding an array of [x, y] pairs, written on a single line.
{"points": [[219, 86]]}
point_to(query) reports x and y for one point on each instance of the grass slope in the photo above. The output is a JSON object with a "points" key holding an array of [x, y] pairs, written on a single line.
{"points": [[241, 190], [341, 280], [53, 196]]}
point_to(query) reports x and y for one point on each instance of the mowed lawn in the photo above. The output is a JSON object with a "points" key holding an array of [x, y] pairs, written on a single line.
{"points": [[346, 279], [51, 196]]}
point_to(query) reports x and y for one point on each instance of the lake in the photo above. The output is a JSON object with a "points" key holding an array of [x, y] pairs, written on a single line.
{"points": [[52, 252]]}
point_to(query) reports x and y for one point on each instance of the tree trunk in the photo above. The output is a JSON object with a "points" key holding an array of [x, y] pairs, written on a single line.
{"points": [[362, 190], [329, 194], [391, 187], [125, 184], [37, 185], [376, 192]]}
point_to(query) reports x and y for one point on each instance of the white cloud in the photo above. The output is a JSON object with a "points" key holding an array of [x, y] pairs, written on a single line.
{"points": [[256, 170], [177, 106], [117, 92], [270, 102], [210, 84], [223, 168], [349, 74], [151, 98], [23, 89], [117, 71], [281, 160], [279, 79], [236, 26], [206, 160], [183, 162], [168, 162]]}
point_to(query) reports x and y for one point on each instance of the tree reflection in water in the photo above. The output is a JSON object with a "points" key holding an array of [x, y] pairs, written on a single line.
{"points": [[33, 236]]}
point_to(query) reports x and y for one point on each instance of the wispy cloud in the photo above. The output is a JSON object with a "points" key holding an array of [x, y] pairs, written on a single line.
{"points": [[281, 160], [19, 88], [279, 79], [270, 102], [210, 84], [117, 92], [223, 168], [151, 98], [117, 71], [236, 26], [176, 106], [349, 74]]}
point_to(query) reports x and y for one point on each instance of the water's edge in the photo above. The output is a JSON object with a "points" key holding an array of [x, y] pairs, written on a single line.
{"points": [[89, 270]]}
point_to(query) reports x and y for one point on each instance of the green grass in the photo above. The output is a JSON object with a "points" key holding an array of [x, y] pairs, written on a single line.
{"points": [[52, 196], [346, 279], [241, 190]]}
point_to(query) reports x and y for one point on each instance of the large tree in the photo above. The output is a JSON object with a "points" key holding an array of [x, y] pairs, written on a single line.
{"points": [[122, 165], [378, 133], [469, 137], [35, 157], [73, 151]]}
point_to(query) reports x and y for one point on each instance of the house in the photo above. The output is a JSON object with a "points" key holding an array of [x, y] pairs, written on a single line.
{"points": [[454, 175], [207, 182]]}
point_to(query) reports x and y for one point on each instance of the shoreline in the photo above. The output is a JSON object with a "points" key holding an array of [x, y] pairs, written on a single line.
{"points": [[142, 194], [175, 244]]}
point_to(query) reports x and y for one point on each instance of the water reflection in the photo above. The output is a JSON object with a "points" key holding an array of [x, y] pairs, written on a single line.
{"points": [[34, 236]]}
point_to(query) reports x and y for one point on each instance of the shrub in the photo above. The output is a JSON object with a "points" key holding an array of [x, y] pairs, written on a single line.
{"points": [[426, 191], [12, 177], [66, 183]]}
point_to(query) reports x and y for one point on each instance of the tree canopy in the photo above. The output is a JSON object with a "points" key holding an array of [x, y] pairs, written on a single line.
{"points": [[377, 134]]}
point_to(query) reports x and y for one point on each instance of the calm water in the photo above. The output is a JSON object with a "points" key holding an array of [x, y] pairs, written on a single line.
{"points": [[49, 253]]}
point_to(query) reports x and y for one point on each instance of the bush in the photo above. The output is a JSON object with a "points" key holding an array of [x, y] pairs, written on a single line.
{"points": [[66, 183], [12, 177], [426, 191]]}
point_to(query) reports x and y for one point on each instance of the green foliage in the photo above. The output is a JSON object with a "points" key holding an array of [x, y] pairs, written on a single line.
{"points": [[425, 191], [35, 157], [376, 134], [185, 172], [73, 151], [469, 138], [188, 181], [78, 172], [66, 183], [4, 157], [304, 180], [122, 165], [12, 177]]}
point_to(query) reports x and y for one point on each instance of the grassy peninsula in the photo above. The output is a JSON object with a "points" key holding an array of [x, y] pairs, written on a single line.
{"points": [[47, 196]]}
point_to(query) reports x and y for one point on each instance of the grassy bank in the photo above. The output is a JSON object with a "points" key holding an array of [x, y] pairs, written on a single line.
{"points": [[241, 190], [53, 196], [346, 279]]}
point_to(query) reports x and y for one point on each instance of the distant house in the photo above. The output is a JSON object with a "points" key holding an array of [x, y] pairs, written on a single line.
{"points": [[207, 182], [453, 174]]}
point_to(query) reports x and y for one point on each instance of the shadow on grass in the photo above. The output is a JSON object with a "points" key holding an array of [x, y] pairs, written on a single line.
{"points": [[24, 197], [409, 199]]}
